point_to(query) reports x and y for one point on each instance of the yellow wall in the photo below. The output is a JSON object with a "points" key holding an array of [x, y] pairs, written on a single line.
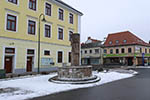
{"points": [[21, 47], [24, 13], [22, 40]]}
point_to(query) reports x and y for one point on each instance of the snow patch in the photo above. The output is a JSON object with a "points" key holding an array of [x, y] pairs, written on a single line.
{"points": [[34, 86]]}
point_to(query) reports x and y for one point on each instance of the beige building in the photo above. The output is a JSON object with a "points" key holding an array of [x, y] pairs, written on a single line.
{"points": [[91, 52], [125, 48]]}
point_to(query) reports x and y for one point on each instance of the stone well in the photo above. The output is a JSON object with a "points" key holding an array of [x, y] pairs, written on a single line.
{"points": [[75, 74]]}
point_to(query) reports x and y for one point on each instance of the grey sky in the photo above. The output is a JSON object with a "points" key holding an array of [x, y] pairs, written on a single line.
{"points": [[108, 16]]}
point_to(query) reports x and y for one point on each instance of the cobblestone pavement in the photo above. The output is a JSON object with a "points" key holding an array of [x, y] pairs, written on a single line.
{"points": [[135, 88]]}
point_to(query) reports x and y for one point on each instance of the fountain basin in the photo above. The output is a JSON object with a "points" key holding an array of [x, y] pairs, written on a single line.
{"points": [[75, 75]]}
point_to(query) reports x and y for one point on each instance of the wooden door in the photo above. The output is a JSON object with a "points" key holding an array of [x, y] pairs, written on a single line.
{"points": [[29, 64], [8, 64]]}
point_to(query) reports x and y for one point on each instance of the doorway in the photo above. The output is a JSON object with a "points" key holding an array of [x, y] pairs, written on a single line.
{"points": [[130, 61], [88, 61], [8, 64], [29, 63]]}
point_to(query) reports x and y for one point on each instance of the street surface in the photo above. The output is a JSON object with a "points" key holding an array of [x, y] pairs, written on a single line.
{"points": [[135, 88]]}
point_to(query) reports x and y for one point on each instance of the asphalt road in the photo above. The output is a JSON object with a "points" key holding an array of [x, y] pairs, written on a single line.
{"points": [[135, 88]]}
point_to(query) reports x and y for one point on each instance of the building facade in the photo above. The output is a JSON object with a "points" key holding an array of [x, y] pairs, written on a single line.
{"points": [[91, 52], [124, 48], [19, 24]]}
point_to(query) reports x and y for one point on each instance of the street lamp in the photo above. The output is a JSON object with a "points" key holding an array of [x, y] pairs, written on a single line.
{"points": [[43, 20]]}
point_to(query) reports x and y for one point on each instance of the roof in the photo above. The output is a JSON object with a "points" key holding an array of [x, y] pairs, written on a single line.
{"points": [[90, 40], [91, 45], [68, 6], [124, 38]]}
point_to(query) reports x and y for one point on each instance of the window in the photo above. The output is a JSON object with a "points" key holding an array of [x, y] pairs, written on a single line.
{"points": [[90, 51], [48, 9], [47, 31], [30, 51], [140, 50], [85, 51], [145, 50], [61, 14], [31, 27], [129, 50], [70, 33], [60, 33], [105, 51], [70, 18], [11, 22], [13, 1], [124, 41], [96, 51], [60, 56], [46, 52], [117, 51], [69, 60], [10, 50], [32, 4], [111, 51], [110, 42], [122, 50], [117, 41]]}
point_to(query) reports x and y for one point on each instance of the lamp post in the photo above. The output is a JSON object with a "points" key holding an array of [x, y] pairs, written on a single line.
{"points": [[39, 40]]}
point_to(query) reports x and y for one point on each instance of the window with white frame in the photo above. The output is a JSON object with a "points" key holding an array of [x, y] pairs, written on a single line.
{"points": [[47, 31], [70, 33], [61, 14], [32, 4], [47, 52], [71, 18], [60, 33], [31, 27], [60, 57], [48, 9], [11, 22]]}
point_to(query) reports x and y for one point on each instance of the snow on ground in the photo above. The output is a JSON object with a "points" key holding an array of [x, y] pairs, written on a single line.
{"points": [[34, 86]]}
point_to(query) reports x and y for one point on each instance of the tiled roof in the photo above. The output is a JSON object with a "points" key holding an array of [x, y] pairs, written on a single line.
{"points": [[124, 38]]}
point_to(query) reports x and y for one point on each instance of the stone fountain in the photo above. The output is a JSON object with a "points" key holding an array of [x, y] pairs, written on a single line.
{"points": [[75, 74]]}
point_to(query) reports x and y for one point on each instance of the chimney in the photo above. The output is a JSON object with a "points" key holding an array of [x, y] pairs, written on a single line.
{"points": [[89, 38]]}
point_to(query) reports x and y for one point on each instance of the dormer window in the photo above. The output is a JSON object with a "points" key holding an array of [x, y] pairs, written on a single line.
{"points": [[124, 41], [110, 42], [117, 41]]}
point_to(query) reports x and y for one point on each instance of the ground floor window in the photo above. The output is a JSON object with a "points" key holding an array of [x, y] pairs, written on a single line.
{"points": [[60, 57], [69, 60]]}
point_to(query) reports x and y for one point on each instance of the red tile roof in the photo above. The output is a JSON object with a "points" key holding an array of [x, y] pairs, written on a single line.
{"points": [[124, 38]]}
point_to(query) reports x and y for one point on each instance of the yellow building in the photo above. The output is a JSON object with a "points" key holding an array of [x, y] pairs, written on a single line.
{"points": [[19, 24]]}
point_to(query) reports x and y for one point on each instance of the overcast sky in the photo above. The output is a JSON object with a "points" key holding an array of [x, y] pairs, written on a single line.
{"points": [[109, 16]]}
